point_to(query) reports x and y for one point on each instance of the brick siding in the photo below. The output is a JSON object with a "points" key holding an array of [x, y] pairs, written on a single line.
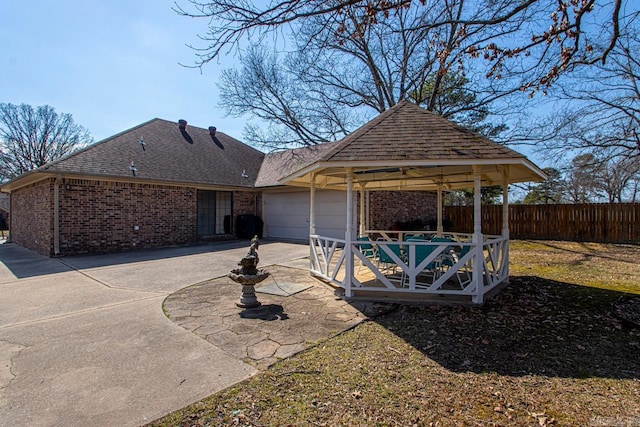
{"points": [[32, 217], [102, 216], [247, 203], [389, 207]]}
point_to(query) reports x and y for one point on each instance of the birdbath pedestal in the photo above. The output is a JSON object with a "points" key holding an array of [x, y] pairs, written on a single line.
{"points": [[248, 275]]}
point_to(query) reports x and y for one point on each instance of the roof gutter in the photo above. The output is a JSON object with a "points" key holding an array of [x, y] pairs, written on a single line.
{"points": [[25, 179]]}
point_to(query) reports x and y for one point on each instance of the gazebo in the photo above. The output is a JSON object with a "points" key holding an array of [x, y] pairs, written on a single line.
{"points": [[409, 148]]}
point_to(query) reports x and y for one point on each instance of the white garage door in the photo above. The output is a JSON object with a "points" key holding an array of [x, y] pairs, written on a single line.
{"points": [[286, 215]]}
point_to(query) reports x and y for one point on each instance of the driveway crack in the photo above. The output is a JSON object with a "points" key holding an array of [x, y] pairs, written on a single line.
{"points": [[80, 312], [7, 374], [105, 284]]}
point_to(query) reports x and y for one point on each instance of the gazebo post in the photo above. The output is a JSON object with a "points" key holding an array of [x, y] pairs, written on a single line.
{"points": [[367, 223], [312, 218], [439, 227], [505, 219], [362, 229], [477, 235], [348, 255]]}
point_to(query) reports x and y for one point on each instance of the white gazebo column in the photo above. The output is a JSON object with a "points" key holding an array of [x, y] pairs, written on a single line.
{"points": [[439, 228], [348, 255], [478, 278], [368, 210], [505, 222], [312, 219], [362, 219]]}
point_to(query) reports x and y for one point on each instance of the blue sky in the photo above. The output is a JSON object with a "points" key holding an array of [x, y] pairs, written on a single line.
{"points": [[111, 64]]}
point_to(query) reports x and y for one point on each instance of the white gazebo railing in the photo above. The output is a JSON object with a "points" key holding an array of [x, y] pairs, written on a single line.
{"points": [[456, 265], [456, 268]]}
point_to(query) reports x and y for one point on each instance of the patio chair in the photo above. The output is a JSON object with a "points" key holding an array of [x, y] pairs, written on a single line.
{"points": [[465, 269], [450, 257], [421, 253], [385, 259], [408, 237], [446, 258], [367, 248]]}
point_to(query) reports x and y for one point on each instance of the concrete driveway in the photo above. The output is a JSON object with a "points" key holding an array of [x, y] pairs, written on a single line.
{"points": [[84, 341]]}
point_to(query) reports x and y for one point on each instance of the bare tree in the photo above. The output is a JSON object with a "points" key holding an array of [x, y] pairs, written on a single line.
{"points": [[31, 137], [333, 81], [616, 177], [558, 34], [601, 107], [581, 179], [634, 189], [590, 179]]}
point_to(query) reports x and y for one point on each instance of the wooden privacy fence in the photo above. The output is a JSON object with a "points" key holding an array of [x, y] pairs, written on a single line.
{"points": [[613, 223]]}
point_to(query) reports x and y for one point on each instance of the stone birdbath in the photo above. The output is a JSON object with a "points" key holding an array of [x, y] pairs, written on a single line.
{"points": [[248, 275]]}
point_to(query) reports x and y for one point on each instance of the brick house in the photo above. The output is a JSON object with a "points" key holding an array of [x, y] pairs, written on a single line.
{"points": [[163, 183]]}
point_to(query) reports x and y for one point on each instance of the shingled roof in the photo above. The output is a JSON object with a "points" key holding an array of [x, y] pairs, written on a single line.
{"points": [[409, 132], [278, 164], [405, 143], [190, 155], [408, 147]]}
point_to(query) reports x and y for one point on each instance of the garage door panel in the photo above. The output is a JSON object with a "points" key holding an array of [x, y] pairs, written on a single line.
{"points": [[286, 215]]}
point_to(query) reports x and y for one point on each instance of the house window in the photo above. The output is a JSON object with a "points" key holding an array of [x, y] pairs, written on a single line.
{"points": [[223, 212], [214, 212]]}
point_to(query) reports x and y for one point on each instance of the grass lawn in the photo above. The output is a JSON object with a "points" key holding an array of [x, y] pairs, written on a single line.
{"points": [[547, 350]]}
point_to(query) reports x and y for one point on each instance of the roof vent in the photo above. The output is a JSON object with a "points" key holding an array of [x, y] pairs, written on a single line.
{"points": [[212, 130], [182, 124]]}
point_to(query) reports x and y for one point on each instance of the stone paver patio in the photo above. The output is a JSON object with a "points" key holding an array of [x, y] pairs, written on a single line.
{"points": [[281, 327]]}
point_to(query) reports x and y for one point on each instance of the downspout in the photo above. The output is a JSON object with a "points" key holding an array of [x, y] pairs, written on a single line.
{"points": [[9, 239], [56, 215]]}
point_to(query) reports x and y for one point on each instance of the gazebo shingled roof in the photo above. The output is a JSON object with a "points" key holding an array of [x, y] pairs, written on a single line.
{"points": [[408, 147]]}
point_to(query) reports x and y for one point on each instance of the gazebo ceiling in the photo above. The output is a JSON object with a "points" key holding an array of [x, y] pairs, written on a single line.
{"points": [[415, 176], [409, 148]]}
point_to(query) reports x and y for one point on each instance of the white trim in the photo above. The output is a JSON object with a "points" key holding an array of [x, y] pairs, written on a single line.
{"points": [[354, 164]]}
